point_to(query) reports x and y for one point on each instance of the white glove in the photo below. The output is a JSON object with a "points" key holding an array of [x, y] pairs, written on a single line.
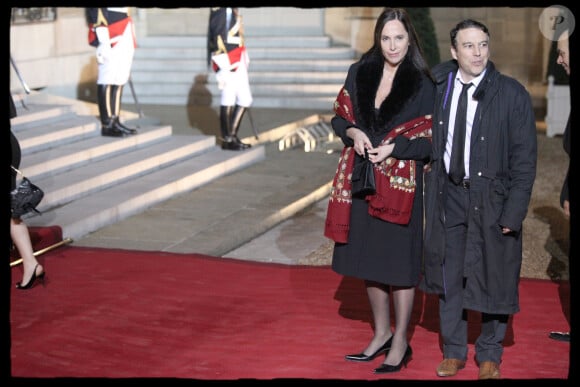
{"points": [[104, 48], [222, 77], [103, 53]]}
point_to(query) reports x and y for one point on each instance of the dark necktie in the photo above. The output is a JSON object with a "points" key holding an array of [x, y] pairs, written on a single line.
{"points": [[456, 164]]}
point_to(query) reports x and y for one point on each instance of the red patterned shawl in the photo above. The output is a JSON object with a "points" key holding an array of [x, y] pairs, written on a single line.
{"points": [[395, 179]]}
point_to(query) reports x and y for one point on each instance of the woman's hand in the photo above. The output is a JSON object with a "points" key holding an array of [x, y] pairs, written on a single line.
{"points": [[380, 153], [360, 139], [566, 208]]}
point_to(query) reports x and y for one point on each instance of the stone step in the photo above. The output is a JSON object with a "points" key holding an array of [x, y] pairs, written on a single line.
{"points": [[122, 167], [108, 206], [292, 96], [199, 65], [291, 101], [91, 181], [318, 41], [88, 150], [256, 77], [300, 69], [43, 136], [255, 53], [34, 114], [273, 90]]}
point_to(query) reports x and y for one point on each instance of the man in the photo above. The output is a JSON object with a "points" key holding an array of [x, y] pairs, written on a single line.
{"points": [[229, 58], [475, 207], [563, 59], [111, 31]]}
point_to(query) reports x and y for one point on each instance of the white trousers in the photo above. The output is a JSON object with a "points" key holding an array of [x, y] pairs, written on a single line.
{"points": [[235, 86], [117, 68]]}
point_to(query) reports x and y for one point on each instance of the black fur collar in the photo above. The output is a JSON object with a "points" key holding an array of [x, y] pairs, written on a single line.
{"points": [[405, 85]]}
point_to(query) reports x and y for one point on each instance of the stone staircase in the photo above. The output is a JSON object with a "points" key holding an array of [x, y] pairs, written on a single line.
{"points": [[303, 72], [91, 181]]}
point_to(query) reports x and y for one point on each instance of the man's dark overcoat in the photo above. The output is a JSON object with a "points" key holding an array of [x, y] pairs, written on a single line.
{"points": [[502, 170]]}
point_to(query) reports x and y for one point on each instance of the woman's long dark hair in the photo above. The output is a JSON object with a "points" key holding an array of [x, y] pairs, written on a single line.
{"points": [[415, 53]]}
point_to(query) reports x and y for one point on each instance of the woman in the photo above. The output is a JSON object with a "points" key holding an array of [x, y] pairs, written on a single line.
{"points": [[388, 87], [32, 270]]}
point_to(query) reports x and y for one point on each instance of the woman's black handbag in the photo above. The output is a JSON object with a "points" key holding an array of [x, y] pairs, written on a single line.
{"points": [[363, 177], [25, 198]]}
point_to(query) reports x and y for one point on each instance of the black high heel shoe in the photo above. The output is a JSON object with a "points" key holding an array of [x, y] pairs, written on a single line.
{"points": [[362, 357], [386, 368], [32, 280]]}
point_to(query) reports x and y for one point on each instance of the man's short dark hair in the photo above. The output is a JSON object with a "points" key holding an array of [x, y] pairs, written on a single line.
{"points": [[467, 23]]}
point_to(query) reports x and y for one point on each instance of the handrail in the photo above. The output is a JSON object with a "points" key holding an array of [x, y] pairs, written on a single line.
{"points": [[22, 81], [139, 109], [42, 251]]}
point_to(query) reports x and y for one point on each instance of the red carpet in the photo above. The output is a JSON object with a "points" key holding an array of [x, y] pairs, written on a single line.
{"points": [[126, 314]]}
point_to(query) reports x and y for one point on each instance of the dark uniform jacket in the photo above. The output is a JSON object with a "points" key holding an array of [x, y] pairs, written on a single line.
{"points": [[502, 170], [114, 18], [224, 37]]}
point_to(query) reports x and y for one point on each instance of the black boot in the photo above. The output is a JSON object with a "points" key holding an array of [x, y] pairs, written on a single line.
{"points": [[237, 116], [108, 125], [228, 142], [103, 99], [124, 128], [116, 93], [225, 120], [111, 129]]}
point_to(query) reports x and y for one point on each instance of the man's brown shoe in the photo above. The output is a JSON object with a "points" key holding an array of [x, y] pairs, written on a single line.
{"points": [[489, 370], [449, 367]]}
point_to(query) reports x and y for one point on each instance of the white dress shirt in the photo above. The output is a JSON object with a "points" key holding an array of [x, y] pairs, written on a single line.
{"points": [[471, 107]]}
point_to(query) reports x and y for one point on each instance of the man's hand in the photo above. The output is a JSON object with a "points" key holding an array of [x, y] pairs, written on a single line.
{"points": [[380, 153]]}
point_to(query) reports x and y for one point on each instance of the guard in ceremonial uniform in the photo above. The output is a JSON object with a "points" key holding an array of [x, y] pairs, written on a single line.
{"points": [[112, 32], [228, 56]]}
